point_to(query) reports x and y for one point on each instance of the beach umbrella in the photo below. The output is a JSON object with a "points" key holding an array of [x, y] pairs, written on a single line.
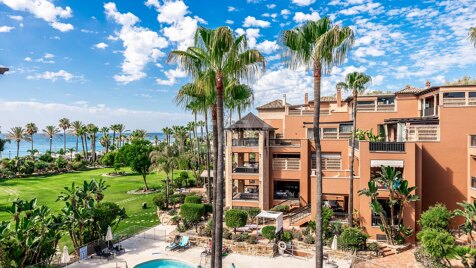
{"points": [[334, 243], [65, 256], [109, 234]]}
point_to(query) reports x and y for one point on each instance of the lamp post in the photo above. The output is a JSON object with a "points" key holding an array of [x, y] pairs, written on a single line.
{"points": [[3, 70]]}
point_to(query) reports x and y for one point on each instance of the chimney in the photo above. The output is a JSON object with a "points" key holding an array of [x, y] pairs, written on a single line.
{"points": [[428, 84], [306, 99], [284, 100], [339, 96]]}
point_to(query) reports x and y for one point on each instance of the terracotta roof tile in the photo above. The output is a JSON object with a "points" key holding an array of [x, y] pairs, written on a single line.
{"points": [[250, 121], [409, 90], [276, 104]]}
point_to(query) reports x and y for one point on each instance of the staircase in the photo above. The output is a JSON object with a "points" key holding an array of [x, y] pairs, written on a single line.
{"points": [[385, 251], [300, 216]]}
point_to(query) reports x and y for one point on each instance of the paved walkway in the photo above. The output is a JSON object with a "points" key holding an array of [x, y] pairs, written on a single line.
{"points": [[405, 259], [140, 250]]}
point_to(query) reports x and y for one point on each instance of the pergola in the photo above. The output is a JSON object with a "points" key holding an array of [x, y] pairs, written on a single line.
{"points": [[277, 216]]}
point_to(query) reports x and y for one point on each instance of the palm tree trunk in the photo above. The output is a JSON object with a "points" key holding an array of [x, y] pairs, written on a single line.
{"points": [[239, 112], [18, 148], [195, 129], [167, 191], [32, 147], [113, 137], [51, 144], [77, 142], [209, 188], [86, 145], [82, 146], [64, 140], [219, 168], [231, 115], [352, 156], [317, 139], [214, 188]]}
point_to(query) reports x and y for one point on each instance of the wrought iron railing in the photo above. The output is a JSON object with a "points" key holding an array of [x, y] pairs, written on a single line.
{"points": [[387, 146], [245, 142], [246, 170], [284, 143], [429, 111], [246, 196]]}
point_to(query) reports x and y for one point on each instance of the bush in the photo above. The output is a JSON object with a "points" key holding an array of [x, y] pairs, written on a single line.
{"points": [[27, 168], [297, 235], [175, 220], [235, 218], [208, 209], [281, 208], [252, 239], [192, 213], [373, 246], [287, 236], [437, 243], [426, 259], [107, 214], [61, 163], [252, 213], [207, 229], [41, 166], [79, 165], [108, 159], [159, 201], [352, 238], [182, 227], [269, 232], [240, 237], [226, 234], [47, 157], [309, 239], [193, 199], [436, 217]]}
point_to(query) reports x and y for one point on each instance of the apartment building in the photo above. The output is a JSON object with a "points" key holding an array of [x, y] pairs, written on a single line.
{"points": [[429, 135]]}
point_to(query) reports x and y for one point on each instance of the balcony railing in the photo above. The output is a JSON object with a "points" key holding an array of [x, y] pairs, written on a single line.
{"points": [[280, 195], [340, 216], [245, 142], [246, 169], [376, 220], [423, 133], [387, 146], [473, 140], [375, 108], [286, 164], [307, 112], [454, 101], [429, 111], [284, 143], [385, 107], [246, 196], [473, 182]]}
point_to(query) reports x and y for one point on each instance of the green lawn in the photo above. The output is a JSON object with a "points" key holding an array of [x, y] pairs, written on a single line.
{"points": [[47, 189]]}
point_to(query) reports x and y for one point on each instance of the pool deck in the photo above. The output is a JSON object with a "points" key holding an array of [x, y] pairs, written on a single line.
{"points": [[139, 250]]}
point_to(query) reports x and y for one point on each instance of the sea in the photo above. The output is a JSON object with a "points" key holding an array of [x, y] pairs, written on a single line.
{"points": [[42, 143]]}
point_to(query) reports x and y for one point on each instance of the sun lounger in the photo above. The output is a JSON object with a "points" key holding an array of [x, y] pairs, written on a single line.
{"points": [[175, 244], [184, 243], [243, 229], [252, 226]]}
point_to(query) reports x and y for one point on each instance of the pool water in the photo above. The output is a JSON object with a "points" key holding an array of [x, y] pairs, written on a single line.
{"points": [[164, 263]]}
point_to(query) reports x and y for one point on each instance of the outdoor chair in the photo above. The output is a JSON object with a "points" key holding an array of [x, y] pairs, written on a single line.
{"points": [[175, 244], [101, 254], [184, 243]]}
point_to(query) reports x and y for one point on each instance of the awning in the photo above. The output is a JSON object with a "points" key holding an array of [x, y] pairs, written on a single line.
{"points": [[205, 174], [278, 216], [390, 163]]}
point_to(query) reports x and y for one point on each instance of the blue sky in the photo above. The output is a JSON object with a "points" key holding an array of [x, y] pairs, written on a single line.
{"points": [[105, 62]]}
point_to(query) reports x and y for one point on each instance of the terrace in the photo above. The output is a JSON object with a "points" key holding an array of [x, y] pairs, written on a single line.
{"points": [[457, 99]]}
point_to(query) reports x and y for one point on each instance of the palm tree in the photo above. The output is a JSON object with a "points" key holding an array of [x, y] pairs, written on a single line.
{"points": [[114, 130], [92, 130], [320, 45], [75, 130], [238, 97], [166, 161], [468, 212], [50, 132], [139, 134], [70, 151], [64, 124], [2, 145], [168, 133], [219, 55], [120, 128], [105, 140], [472, 35], [356, 82], [31, 129], [17, 134], [81, 132]]}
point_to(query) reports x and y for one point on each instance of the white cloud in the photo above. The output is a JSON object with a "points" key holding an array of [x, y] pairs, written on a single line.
{"points": [[27, 59], [6, 29], [362, 52], [270, 6], [112, 38], [172, 76], [53, 76], [300, 17], [377, 80], [251, 34], [229, 22], [48, 56], [231, 9], [303, 2], [47, 113], [101, 45], [253, 22], [285, 13], [267, 46], [142, 45], [370, 7], [45, 10], [17, 18]]}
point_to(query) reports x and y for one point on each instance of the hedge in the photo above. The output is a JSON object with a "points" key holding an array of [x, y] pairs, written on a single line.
{"points": [[193, 199], [269, 232], [235, 218]]}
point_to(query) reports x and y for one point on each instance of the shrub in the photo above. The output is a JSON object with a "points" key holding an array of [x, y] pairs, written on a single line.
{"points": [[175, 220], [287, 236], [108, 159], [252, 213], [193, 199], [27, 168], [41, 166], [281, 208], [107, 214], [159, 200], [207, 229], [352, 238], [47, 157], [79, 165], [208, 209], [269, 232], [426, 259], [373, 246], [240, 237], [436, 217], [182, 227], [252, 239], [235, 218], [192, 213], [309, 239], [61, 163], [437, 243], [297, 235], [226, 234]]}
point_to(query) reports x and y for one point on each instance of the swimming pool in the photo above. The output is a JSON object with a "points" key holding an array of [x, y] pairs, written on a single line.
{"points": [[163, 263]]}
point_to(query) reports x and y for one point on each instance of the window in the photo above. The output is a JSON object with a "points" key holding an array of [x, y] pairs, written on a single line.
{"points": [[345, 128], [472, 94], [365, 103], [386, 100], [330, 161], [451, 95]]}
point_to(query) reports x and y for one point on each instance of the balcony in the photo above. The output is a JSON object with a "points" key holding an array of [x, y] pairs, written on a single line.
{"points": [[341, 216], [431, 111], [245, 142], [246, 196], [423, 133], [284, 143], [473, 182], [387, 147], [375, 108], [376, 220], [454, 101], [298, 112], [286, 164], [246, 169]]}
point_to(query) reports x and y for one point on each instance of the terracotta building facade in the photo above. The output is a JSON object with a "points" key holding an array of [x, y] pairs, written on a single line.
{"points": [[429, 134]]}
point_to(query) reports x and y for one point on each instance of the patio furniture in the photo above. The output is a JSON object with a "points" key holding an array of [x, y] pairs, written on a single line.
{"points": [[175, 244], [184, 243], [102, 254]]}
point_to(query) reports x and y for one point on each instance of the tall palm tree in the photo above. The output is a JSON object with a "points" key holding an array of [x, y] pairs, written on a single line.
{"points": [[220, 55], [139, 134], [17, 134], [238, 97], [64, 124], [320, 45], [75, 130], [114, 130], [31, 129], [164, 160], [105, 140], [181, 135], [357, 83], [168, 133], [120, 128], [472, 35], [81, 132], [92, 131], [50, 132]]}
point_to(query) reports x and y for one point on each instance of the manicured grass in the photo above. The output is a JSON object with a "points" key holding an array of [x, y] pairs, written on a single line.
{"points": [[47, 188]]}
